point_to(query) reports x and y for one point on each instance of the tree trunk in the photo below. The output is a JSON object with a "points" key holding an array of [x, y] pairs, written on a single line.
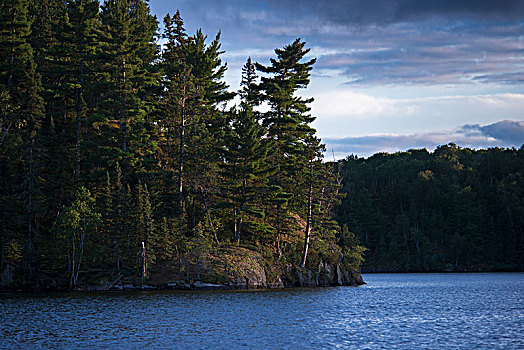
{"points": [[181, 159], [143, 263], [308, 218], [2, 231], [123, 121], [239, 228], [206, 208], [78, 102]]}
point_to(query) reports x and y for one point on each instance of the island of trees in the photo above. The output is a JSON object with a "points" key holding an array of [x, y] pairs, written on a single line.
{"points": [[119, 160]]}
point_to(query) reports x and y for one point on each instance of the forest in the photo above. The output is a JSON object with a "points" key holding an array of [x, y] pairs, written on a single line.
{"points": [[120, 156], [454, 209], [124, 154]]}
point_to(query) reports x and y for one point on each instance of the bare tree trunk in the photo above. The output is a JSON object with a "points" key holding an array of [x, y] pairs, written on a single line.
{"points": [[79, 259], [235, 223], [239, 228], [181, 157], [10, 65], [2, 228], [308, 218], [143, 262], [30, 209]]}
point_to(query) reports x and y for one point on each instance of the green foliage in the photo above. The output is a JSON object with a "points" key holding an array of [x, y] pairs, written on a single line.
{"points": [[77, 223], [352, 251]]}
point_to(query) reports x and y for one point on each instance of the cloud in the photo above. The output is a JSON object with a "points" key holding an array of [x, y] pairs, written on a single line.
{"points": [[386, 11], [352, 112], [506, 133], [377, 42], [352, 105]]}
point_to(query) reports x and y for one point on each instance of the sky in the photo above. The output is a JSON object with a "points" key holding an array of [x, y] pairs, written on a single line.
{"points": [[390, 75]]}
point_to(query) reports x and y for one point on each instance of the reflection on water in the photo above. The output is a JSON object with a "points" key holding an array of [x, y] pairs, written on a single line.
{"points": [[392, 311]]}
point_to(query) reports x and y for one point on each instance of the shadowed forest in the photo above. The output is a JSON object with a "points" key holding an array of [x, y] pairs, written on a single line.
{"points": [[455, 209]]}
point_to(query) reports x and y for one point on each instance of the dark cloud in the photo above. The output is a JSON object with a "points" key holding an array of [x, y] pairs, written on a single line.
{"points": [[506, 133], [361, 12], [509, 131], [375, 42], [386, 11], [406, 54]]}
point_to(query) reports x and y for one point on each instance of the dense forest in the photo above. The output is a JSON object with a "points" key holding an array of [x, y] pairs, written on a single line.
{"points": [[453, 209], [122, 158], [118, 154]]}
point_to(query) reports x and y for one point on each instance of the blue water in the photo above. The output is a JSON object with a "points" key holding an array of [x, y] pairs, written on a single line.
{"points": [[420, 311]]}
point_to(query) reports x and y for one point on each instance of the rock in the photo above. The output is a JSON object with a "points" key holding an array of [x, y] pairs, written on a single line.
{"points": [[257, 279], [350, 278], [129, 287], [324, 276], [146, 287], [305, 278], [238, 283], [338, 276], [242, 268], [202, 285], [275, 285]]}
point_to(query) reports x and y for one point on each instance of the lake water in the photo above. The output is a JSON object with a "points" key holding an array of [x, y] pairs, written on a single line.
{"points": [[393, 311]]}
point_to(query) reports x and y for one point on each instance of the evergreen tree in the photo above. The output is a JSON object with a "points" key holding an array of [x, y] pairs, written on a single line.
{"points": [[249, 92], [287, 122], [193, 89], [127, 53]]}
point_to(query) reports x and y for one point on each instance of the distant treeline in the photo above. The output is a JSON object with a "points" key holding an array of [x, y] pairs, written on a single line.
{"points": [[453, 209], [119, 157]]}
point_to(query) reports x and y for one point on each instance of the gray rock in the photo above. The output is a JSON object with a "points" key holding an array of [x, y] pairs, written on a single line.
{"points": [[305, 278], [276, 285], [202, 285], [146, 287]]}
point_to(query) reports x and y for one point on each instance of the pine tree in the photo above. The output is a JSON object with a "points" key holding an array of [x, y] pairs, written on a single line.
{"points": [[192, 73], [249, 92], [127, 53], [180, 91], [120, 127], [80, 39], [287, 122]]}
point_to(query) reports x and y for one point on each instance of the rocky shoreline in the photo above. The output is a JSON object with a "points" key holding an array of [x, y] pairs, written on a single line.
{"points": [[226, 269]]}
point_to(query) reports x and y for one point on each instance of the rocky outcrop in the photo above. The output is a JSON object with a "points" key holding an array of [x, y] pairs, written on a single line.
{"points": [[241, 268], [326, 275]]}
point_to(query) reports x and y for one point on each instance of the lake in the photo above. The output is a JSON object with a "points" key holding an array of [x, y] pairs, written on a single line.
{"points": [[484, 310]]}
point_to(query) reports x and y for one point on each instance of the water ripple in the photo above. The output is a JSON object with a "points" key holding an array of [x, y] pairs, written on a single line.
{"points": [[397, 311]]}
